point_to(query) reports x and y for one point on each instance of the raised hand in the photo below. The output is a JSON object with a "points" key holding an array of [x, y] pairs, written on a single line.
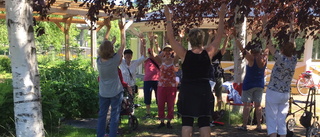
{"points": [[167, 13], [121, 24], [223, 8], [114, 39]]}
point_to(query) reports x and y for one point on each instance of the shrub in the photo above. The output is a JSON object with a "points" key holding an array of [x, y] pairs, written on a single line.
{"points": [[4, 50], [6, 107], [75, 85], [5, 64], [50, 108], [69, 89]]}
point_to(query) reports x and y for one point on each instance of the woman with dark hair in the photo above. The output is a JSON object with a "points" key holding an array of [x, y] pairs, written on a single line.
{"points": [[279, 87], [195, 98], [253, 82]]}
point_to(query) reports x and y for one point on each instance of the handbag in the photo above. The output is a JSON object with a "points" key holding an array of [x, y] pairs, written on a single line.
{"points": [[135, 87], [305, 119]]}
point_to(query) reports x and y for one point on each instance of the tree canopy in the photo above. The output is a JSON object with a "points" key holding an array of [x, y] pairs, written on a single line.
{"points": [[190, 13]]}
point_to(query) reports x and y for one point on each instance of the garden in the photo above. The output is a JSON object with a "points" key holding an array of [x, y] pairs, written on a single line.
{"points": [[70, 104]]}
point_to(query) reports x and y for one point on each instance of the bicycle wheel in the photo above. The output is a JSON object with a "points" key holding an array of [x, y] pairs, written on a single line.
{"points": [[133, 122], [303, 85], [314, 130], [291, 124]]}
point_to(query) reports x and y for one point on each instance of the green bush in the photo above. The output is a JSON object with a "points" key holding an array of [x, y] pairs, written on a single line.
{"points": [[75, 85], [6, 107], [50, 108], [5, 64], [4, 50], [68, 89]]}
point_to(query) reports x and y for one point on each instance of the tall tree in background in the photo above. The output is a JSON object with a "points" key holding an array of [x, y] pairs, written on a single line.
{"points": [[25, 75]]}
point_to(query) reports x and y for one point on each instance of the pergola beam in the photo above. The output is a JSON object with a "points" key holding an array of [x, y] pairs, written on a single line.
{"points": [[57, 19]]}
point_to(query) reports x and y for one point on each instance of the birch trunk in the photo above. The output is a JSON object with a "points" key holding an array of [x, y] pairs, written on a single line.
{"points": [[25, 75], [239, 63]]}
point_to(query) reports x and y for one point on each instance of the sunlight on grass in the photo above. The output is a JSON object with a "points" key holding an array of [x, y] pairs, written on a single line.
{"points": [[69, 131], [147, 127]]}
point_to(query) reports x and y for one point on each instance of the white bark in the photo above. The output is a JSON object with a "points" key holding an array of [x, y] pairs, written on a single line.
{"points": [[25, 76], [239, 63]]}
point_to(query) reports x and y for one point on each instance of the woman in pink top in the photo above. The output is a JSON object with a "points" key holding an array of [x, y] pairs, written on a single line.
{"points": [[151, 78], [167, 86]]}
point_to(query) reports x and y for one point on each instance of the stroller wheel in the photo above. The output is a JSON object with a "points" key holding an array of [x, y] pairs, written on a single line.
{"points": [[291, 123], [314, 130], [133, 122]]}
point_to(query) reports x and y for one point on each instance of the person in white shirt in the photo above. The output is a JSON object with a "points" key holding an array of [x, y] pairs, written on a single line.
{"points": [[129, 67]]}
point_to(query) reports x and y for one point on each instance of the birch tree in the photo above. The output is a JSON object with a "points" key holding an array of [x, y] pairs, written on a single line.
{"points": [[25, 75]]}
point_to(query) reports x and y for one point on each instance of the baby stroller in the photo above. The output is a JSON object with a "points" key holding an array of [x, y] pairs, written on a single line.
{"points": [[309, 119], [127, 109]]}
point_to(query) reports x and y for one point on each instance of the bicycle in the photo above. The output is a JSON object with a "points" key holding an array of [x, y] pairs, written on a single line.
{"points": [[305, 82]]}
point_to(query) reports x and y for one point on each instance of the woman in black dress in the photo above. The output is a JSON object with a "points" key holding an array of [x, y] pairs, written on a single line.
{"points": [[195, 98]]}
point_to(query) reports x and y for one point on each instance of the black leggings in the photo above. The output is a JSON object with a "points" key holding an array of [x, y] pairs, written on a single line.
{"points": [[202, 121]]}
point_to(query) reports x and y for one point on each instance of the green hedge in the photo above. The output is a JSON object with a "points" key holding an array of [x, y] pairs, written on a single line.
{"points": [[5, 64], [68, 90], [6, 106], [75, 85]]}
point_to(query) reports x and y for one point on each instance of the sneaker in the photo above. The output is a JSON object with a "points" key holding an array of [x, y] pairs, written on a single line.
{"points": [[242, 128], [136, 105], [161, 125], [169, 125], [212, 125], [258, 129]]}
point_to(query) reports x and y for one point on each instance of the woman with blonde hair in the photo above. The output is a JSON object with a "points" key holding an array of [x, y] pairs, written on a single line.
{"points": [[195, 99], [110, 87]]}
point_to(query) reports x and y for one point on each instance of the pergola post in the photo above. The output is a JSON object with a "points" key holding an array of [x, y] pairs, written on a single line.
{"points": [[67, 22], [93, 48], [93, 45], [66, 41]]}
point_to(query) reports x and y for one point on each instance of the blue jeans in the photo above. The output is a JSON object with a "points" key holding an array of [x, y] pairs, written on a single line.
{"points": [[104, 104]]}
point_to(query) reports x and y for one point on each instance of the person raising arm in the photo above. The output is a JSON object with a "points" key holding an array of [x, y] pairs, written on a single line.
{"points": [[195, 85]]}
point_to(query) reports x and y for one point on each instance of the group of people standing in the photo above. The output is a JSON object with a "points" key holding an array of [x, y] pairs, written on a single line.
{"points": [[116, 73], [195, 99]]}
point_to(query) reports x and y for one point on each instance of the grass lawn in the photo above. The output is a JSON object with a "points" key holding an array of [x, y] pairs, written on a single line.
{"points": [[147, 127], [70, 131]]}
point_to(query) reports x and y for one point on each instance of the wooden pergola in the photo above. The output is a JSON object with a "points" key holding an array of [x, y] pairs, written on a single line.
{"points": [[71, 12]]}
